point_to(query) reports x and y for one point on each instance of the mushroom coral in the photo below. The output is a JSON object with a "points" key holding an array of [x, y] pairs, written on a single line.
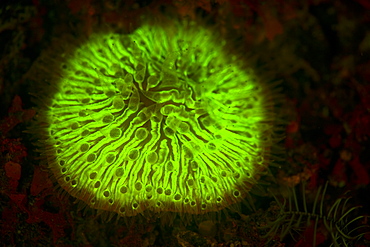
{"points": [[166, 118]]}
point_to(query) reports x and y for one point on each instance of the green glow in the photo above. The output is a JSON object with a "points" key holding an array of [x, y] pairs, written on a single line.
{"points": [[161, 119]]}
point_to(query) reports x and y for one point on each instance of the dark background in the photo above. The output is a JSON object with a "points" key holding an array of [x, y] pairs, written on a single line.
{"points": [[320, 51]]}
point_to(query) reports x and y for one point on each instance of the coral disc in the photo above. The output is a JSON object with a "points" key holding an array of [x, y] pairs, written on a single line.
{"points": [[165, 118]]}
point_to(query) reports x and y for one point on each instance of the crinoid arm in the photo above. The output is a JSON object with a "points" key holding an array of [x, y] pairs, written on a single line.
{"points": [[296, 214]]}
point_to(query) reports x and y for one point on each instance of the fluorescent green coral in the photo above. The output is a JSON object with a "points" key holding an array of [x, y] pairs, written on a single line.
{"points": [[164, 119]]}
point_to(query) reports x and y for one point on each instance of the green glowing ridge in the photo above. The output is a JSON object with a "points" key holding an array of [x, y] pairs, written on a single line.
{"points": [[162, 119]]}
